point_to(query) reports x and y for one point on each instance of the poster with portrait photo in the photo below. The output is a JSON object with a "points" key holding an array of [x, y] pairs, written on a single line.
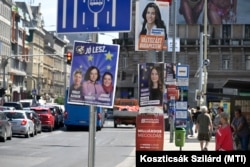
{"points": [[151, 25], [93, 74], [151, 85]]}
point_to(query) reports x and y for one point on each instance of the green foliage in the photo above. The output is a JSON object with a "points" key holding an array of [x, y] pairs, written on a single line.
{"points": [[59, 100]]}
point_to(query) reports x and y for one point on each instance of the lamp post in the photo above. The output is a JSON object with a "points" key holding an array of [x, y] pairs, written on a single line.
{"points": [[34, 86], [39, 78]]}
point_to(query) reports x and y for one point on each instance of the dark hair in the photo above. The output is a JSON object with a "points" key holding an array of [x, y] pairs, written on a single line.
{"points": [[158, 21], [160, 84], [238, 110], [220, 108], [107, 73], [87, 75]]}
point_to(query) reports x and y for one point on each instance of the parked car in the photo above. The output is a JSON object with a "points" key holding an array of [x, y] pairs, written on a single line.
{"points": [[2, 108], [36, 119], [21, 124], [27, 103], [57, 113], [5, 128], [45, 114], [17, 105]]}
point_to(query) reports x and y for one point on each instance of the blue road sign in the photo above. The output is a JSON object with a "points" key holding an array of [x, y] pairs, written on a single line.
{"points": [[74, 16], [33, 91]]}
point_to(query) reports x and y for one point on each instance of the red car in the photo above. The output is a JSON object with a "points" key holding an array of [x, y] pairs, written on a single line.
{"points": [[45, 114]]}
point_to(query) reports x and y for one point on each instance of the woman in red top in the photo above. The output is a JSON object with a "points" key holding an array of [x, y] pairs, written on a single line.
{"points": [[224, 138]]}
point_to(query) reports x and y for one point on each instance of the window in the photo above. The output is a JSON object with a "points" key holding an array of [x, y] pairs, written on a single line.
{"points": [[247, 62], [226, 34], [247, 31], [225, 62]]}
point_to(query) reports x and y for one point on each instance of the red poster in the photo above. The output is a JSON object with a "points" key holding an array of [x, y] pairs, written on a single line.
{"points": [[149, 132]]}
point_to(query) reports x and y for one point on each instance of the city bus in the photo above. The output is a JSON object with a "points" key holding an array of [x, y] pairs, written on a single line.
{"points": [[78, 115]]}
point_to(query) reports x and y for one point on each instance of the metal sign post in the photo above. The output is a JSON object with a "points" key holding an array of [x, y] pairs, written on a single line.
{"points": [[92, 130]]}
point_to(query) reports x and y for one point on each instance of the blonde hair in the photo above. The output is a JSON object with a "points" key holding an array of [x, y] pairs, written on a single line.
{"points": [[204, 109]]}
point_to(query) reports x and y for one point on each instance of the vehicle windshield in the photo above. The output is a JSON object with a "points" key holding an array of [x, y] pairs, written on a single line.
{"points": [[25, 104], [41, 111], [14, 115]]}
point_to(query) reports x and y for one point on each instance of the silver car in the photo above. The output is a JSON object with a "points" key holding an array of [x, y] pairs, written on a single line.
{"points": [[21, 124], [5, 128]]}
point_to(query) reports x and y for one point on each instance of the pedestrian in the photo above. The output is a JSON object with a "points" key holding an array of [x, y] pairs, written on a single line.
{"points": [[203, 127], [224, 137], [189, 127], [241, 129], [216, 122], [197, 112]]}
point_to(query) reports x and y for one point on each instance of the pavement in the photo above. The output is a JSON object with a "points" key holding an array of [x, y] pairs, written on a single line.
{"points": [[191, 144]]}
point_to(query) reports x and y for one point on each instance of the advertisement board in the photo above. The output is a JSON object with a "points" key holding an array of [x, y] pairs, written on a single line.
{"points": [[93, 74], [152, 25], [149, 132]]}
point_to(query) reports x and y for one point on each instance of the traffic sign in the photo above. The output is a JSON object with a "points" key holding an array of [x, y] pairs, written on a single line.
{"points": [[74, 16], [33, 91]]}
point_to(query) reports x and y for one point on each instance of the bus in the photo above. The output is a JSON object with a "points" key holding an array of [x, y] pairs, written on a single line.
{"points": [[78, 115]]}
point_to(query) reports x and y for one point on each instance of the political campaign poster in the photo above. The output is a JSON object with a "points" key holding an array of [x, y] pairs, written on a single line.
{"points": [[93, 74], [149, 132], [151, 87], [152, 25]]}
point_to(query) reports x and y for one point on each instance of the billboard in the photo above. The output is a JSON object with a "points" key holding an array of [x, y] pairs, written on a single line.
{"points": [[218, 11], [152, 24], [93, 74]]}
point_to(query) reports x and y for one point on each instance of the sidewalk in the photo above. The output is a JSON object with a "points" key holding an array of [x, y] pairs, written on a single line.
{"points": [[191, 144]]}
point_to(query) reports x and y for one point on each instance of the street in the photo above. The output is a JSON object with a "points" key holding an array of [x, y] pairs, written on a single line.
{"points": [[68, 149]]}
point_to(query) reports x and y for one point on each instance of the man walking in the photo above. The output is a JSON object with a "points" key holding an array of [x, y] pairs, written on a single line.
{"points": [[204, 126]]}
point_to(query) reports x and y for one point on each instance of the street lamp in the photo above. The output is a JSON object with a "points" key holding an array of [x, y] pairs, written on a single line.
{"points": [[34, 86]]}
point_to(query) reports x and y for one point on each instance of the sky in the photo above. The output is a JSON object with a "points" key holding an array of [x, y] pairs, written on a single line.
{"points": [[49, 12]]}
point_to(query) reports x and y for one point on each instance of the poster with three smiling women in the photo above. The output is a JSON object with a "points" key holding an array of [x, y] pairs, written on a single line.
{"points": [[93, 74]]}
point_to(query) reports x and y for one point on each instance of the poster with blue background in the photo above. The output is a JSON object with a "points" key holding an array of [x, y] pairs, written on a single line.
{"points": [[93, 74]]}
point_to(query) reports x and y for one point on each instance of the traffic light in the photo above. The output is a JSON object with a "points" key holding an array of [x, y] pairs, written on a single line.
{"points": [[69, 57]]}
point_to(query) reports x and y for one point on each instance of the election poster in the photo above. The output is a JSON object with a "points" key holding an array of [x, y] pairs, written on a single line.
{"points": [[151, 87], [149, 132], [152, 25], [93, 74]]}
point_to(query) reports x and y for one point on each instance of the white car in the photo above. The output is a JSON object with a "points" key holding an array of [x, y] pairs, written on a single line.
{"points": [[21, 124]]}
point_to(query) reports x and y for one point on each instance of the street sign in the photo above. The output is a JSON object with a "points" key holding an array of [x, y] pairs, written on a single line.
{"points": [[33, 91], [74, 16]]}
